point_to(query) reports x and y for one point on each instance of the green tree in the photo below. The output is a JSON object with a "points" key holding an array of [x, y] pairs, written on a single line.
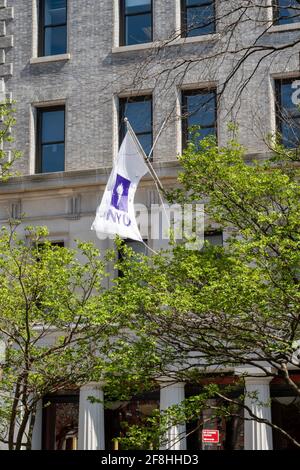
{"points": [[194, 312], [53, 323]]}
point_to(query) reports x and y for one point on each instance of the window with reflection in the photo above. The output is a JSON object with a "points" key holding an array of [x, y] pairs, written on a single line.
{"points": [[52, 27], [60, 422], [286, 11], [197, 17], [138, 111], [285, 406], [120, 416], [288, 113], [199, 108], [50, 139], [135, 22], [231, 428]]}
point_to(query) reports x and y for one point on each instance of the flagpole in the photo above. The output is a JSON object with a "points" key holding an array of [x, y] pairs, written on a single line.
{"points": [[159, 186], [146, 159], [157, 137]]}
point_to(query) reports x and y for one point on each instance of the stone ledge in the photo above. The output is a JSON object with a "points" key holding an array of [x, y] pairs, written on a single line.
{"points": [[2, 28], [77, 178], [6, 41], [176, 42], [281, 28], [6, 70], [134, 47], [7, 13], [50, 58], [194, 39]]}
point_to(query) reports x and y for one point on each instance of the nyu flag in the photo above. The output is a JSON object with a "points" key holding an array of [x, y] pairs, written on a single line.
{"points": [[115, 215]]}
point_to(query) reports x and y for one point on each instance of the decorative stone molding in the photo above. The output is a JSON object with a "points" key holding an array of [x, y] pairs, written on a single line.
{"points": [[74, 207], [16, 210], [152, 198], [6, 42]]}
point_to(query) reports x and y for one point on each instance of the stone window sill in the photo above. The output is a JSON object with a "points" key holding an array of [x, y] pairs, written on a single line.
{"points": [[175, 42], [133, 47], [280, 28], [50, 58], [195, 39]]}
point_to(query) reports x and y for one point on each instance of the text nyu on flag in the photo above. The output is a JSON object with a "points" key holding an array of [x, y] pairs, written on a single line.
{"points": [[116, 215]]}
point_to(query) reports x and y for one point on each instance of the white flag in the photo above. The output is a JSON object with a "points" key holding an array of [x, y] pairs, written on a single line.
{"points": [[116, 215]]}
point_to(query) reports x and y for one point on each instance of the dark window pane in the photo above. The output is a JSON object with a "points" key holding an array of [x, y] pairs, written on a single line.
{"points": [[137, 6], [53, 158], [119, 418], [137, 247], [202, 133], [201, 109], [138, 29], [55, 40], [288, 114], [146, 142], [287, 11], [139, 115], [291, 134], [55, 12], [197, 3], [200, 21], [287, 96], [214, 238], [60, 422], [53, 126]]}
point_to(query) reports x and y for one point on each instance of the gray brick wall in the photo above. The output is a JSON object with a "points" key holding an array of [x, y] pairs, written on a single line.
{"points": [[94, 75]]}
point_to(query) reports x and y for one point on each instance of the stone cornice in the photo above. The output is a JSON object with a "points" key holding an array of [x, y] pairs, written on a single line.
{"points": [[166, 171]]}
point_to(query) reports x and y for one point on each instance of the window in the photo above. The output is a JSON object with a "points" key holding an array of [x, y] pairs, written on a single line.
{"points": [[287, 112], [138, 111], [286, 11], [137, 247], [135, 22], [60, 422], [197, 17], [120, 416], [53, 27], [50, 140], [214, 237], [231, 429], [199, 108], [41, 245]]}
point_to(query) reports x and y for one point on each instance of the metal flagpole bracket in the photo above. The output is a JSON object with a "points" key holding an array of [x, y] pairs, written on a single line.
{"points": [[146, 159]]}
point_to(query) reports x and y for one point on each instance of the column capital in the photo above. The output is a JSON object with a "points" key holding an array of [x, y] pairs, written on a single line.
{"points": [[93, 386], [258, 380], [254, 372], [169, 382]]}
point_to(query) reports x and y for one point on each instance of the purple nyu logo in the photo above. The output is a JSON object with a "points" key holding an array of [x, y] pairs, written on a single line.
{"points": [[119, 198]]}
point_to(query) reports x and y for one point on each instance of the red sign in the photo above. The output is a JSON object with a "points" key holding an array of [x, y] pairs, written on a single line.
{"points": [[210, 435]]}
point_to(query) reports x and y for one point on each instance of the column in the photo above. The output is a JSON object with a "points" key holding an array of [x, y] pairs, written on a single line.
{"points": [[37, 428], [91, 418], [258, 436], [173, 394]]}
